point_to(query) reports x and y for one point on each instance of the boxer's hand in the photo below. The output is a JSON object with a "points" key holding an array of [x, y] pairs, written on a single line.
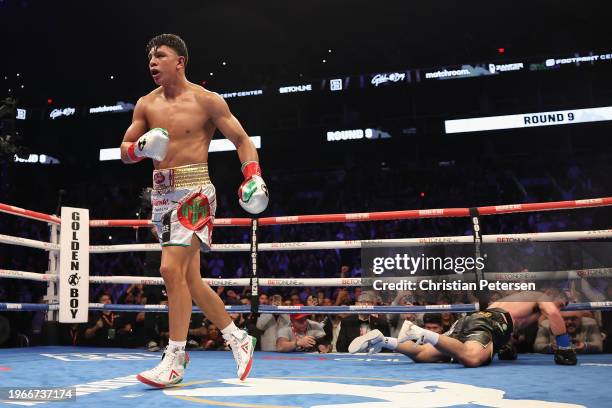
{"points": [[253, 192], [153, 144], [507, 352], [565, 356]]}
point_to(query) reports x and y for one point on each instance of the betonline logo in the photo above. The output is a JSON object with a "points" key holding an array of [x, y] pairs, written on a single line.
{"points": [[295, 88]]}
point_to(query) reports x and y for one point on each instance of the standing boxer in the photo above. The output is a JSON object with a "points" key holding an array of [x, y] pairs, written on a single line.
{"points": [[174, 125]]}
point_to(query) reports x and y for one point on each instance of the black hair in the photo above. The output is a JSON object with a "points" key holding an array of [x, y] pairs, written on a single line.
{"points": [[170, 40], [433, 318]]}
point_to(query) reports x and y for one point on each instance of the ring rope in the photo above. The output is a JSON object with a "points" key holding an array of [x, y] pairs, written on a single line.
{"points": [[324, 245], [325, 282], [350, 217], [267, 309]]}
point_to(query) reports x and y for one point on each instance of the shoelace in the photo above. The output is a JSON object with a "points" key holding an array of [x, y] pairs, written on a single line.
{"points": [[167, 360], [235, 347]]}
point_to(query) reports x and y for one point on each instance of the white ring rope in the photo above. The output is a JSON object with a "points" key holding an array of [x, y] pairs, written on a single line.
{"points": [[322, 245], [327, 282], [30, 243]]}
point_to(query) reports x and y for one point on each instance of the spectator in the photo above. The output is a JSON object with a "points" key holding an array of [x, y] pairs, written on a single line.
{"points": [[357, 325], [156, 324], [269, 323], [197, 330], [213, 339], [584, 332], [336, 321], [108, 329], [433, 322], [302, 334]]}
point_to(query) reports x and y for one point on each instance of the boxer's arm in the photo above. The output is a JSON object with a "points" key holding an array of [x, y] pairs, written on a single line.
{"points": [[229, 126], [138, 127], [565, 354], [550, 310]]}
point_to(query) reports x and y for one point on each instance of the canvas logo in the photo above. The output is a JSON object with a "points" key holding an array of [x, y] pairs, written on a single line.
{"points": [[413, 394]]}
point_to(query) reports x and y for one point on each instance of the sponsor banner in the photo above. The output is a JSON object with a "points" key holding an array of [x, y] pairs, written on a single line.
{"points": [[295, 88], [465, 71], [240, 94], [59, 112], [495, 68], [390, 78], [525, 120], [337, 84], [74, 266], [577, 59], [118, 107]]}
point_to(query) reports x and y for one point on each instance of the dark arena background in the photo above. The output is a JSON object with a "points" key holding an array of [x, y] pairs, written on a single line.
{"points": [[396, 123]]}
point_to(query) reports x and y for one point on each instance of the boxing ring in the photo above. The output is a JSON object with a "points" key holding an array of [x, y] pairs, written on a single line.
{"points": [[107, 376]]}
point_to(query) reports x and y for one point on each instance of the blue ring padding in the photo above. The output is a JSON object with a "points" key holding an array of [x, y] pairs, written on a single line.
{"points": [[461, 308], [36, 307], [586, 306]]}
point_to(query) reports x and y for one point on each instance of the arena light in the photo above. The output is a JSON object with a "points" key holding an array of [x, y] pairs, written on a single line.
{"points": [[216, 145], [525, 120]]}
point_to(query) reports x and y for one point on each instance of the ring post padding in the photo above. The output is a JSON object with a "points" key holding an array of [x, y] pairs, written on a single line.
{"points": [[254, 279]]}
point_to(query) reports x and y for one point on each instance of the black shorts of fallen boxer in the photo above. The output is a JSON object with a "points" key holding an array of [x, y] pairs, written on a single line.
{"points": [[488, 326]]}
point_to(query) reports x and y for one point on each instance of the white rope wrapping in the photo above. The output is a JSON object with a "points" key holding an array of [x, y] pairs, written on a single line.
{"points": [[108, 249], [356, 244], [30, 243], [328, 282], [321, 245], [33, 276]]}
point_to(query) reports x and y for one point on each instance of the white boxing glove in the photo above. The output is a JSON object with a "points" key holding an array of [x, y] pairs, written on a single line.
{"points": [[253, 193], [153, 144]]}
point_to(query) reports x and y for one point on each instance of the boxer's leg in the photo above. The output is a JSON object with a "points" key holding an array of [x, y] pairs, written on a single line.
{"points": [[171, 369], [470, 354], [425, 353], [207, 299], [210, 303], [174, 266]]}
